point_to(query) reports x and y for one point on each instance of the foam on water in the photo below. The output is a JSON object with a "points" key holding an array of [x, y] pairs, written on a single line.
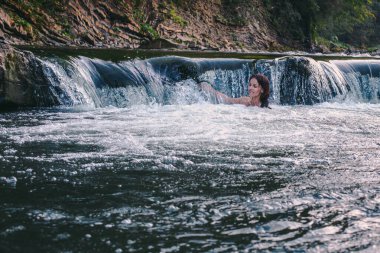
{"points": [[157, 167], [208, 177]]}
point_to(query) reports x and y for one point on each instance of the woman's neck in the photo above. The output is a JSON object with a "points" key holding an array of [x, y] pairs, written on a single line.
{"points": [[255, 101]]}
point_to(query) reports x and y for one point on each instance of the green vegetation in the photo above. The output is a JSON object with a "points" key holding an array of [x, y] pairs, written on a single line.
{"points": [[176, 18], [333, 44], [21, 22], [66, 28], [149, 30], [233, 20], [231, 15], [169, 9], [182, 3], [334, 24], [30, 11], [141, 17], [48, 5], [325, 21]]}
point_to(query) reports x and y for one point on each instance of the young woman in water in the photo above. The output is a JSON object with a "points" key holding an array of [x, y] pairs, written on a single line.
{"points": [[258, 92]]}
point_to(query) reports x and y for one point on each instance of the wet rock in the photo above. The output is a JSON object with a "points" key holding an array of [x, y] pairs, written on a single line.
{"points": [[159, 44], [377, 52], [320, 49], [2, 71], [302, 81], [21, 78], [89, 39]]}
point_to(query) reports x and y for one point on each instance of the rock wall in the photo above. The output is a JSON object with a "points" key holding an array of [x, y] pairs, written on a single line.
{"points": [[195, 24], [4, 50], [22, 81]]}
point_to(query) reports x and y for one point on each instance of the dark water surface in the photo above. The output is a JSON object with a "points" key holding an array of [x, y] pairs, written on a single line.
{"points": [[191, 178]]}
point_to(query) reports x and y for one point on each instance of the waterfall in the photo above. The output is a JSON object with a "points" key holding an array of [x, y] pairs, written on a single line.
{"points": [[302, 80], [172, 80]]}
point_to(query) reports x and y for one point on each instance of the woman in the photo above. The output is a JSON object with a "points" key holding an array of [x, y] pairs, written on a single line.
{"points": [[258, 92]]}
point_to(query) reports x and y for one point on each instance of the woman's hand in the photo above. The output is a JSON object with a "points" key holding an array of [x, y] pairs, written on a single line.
{"points": [[203, 86], [219, 97]]}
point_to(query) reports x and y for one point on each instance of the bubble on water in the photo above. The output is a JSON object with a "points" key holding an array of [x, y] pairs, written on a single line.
{"points": [[169, 167], [240, 231], [170, 249], [118, 250], [331, 155], [10, 151], [126, 221], [277, 226], [63, 236], [48, 215], [329, 230], [109, 226], [73, 173], [13, 230], [9, 181], [216, 215], [356, 213], [88, 236], [173, 208]]}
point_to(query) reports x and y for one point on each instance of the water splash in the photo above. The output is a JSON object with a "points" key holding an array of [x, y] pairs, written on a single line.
{"points": [[172, 80]]}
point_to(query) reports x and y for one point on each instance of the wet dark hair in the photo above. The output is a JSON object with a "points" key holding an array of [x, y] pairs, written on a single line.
{"points": [[264, 83]]}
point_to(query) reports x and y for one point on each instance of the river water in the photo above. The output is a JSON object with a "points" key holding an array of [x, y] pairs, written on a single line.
{"points": [[131, 157], [201, 177]]}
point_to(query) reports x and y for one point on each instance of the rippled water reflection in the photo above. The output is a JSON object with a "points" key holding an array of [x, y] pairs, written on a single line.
{"points": [[210, 178]]}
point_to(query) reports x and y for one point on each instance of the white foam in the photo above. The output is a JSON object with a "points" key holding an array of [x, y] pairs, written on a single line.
{"points": [[166, 135]]}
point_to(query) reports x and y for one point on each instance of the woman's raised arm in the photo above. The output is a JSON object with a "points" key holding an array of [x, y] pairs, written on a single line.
{"points": [[222, 98]]}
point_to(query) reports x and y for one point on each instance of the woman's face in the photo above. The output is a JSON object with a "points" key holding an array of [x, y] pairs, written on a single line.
{"points": [[254, 88]]}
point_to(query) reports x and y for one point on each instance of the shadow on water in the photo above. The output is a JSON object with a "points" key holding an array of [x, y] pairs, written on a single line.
{"points": [[124, 204], [80, 203]]}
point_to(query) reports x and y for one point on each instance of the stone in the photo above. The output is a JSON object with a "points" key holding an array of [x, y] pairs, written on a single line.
{"points": [[158, 44]]}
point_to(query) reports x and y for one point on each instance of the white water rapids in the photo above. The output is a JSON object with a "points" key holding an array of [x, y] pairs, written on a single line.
{"points": [[131, 157], [219, 177]]}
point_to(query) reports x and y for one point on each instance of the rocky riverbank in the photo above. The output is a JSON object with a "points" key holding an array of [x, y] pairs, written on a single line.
{"points": [[155, 24]]}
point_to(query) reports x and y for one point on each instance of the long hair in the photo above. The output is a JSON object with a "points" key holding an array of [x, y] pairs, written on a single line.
{"points": [[264, 83]]}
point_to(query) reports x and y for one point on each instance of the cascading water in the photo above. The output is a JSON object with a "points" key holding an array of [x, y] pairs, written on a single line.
{"points": [[168, 80], [172, 80], [300, 80], [151, 164], [362, 77]]}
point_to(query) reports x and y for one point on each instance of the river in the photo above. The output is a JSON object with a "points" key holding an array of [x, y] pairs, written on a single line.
{"points": [[129, 156]]}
